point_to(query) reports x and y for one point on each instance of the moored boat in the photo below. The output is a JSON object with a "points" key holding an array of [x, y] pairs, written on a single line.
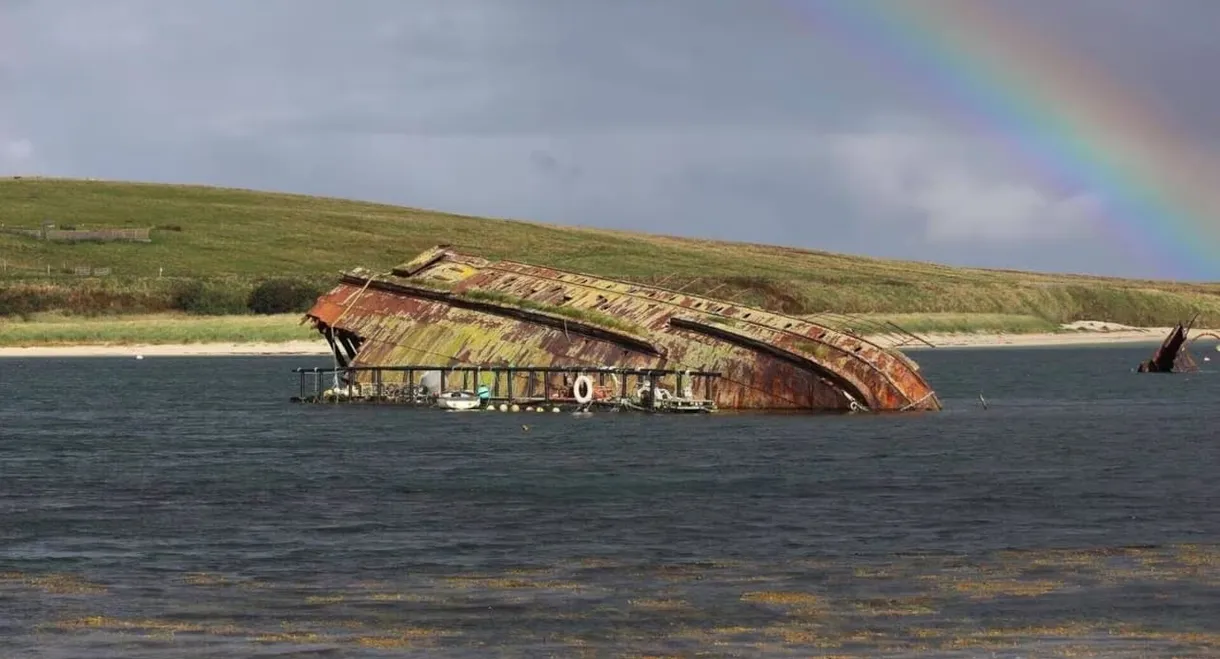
{"points": [[458, 400]]}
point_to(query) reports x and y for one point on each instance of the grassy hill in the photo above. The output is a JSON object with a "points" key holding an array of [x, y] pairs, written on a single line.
{"points": [[229, 239]]}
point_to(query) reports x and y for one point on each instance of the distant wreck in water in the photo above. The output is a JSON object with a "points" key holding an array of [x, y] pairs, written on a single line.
{"points": [[1172, 356], [444, 307]]}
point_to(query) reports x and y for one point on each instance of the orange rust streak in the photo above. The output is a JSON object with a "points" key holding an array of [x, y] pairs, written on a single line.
{"points": [[401, 328], [889, 392]]}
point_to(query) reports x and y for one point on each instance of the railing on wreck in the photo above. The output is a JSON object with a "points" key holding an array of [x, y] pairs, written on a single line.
{"points": [[405, 384]]}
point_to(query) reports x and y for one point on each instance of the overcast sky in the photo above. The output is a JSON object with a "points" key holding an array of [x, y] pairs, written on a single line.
{"points": [[715, 118]]}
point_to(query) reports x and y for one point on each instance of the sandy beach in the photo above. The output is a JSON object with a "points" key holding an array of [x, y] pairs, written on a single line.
{"points": [[1148, 335], [1076, 334]]}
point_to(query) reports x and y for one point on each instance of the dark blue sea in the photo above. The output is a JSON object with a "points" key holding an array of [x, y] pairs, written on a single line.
{"points": [[183, 507]]}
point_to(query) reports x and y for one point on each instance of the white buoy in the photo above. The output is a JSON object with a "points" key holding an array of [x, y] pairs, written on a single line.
{"points": [[139, 356], [503, 407], [555, 410], [515, 408]]}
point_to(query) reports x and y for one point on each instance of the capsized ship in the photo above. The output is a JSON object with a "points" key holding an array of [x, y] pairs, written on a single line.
{"points": [[445, 307]]}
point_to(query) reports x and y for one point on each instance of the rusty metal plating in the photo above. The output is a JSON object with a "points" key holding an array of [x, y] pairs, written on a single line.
{"points": [[1173, 356], [447, 307]]}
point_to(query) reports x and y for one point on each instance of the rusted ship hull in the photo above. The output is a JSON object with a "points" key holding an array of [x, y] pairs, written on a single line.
{"points": [[1172, 355], [446, 307]]}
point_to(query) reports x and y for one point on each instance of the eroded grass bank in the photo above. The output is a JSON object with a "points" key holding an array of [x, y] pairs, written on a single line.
{"points": [[164, 329], [49, 329]]}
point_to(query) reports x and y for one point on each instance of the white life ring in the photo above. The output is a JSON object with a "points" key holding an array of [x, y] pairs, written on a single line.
{"points": [[583, 389]]}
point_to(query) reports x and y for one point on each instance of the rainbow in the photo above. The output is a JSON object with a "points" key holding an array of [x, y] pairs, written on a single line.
{"points": [[1067, 122]]}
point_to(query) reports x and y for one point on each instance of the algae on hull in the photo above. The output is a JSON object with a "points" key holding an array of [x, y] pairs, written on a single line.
{"points": [[467, 310]]}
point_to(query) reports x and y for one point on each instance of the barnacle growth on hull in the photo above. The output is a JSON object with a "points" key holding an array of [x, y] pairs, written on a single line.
{"points": [[444, 307]]}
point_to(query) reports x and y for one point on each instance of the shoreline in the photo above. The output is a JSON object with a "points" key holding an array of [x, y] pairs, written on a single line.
{"points": [[1132, 336], [228, 349], [1147, 335]]}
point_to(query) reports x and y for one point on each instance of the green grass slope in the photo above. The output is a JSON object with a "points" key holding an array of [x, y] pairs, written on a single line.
{"points": [[232, 238]]}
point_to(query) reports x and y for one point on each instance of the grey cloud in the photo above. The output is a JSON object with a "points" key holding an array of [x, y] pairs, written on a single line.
{"points": [[720, 118], [944, 184], [1163, 51], [15, 152]]}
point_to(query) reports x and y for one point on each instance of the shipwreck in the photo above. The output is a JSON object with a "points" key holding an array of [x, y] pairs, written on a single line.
{"points": [[466, 312], [1173, 355]]}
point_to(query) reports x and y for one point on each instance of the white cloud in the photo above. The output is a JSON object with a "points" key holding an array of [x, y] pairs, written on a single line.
{"points": [[955, 188], [15, 152]]}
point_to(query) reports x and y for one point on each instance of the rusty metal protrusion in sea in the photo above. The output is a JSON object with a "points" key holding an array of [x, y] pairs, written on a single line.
{"points": [[448, 307], [1172, 355]]}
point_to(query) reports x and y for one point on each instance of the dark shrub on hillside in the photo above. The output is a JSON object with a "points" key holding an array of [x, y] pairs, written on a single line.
{"points": [[206, 299], [78, 297], [283, 296], [24, 300], [186, 295], [92, 301]]}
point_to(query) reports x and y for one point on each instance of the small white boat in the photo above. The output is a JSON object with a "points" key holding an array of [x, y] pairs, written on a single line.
{"points": [[458, 400]]}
